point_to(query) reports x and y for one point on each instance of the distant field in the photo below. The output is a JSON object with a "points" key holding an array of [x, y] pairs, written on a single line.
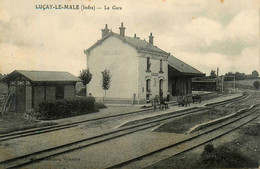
{"points": [[248, 83]]}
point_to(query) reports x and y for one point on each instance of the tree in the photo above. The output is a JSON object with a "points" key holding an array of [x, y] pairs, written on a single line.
{"points": [[255, 74], [106, 80], [256, 84], [212, 74], [86, 77]]}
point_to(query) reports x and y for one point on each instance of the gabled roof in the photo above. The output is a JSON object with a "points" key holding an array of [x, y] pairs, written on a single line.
{"points": [[137, 43], [43, 76], [182, 67], [143, 45]]}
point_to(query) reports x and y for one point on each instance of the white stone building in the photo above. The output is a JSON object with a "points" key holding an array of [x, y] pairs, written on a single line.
{"points": [[139, 69]]}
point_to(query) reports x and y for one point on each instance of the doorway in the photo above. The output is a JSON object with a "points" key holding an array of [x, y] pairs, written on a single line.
{"points": [[20, 99], [148, 89], [161, 88]]}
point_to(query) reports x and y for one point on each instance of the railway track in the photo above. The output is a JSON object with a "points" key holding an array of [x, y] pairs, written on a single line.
{"points": [[194, 140], [35, 131], [65, 148], [245, 96], [54, 151]]}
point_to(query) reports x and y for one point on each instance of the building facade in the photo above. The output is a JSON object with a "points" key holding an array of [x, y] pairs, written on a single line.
{"points": [[29, 88], [139, 70]]}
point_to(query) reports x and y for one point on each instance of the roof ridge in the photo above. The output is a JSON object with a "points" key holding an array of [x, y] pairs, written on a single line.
{"points": [[43, 71], [143, 40]]}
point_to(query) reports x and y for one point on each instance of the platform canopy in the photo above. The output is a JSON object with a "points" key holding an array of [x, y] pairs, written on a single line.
{"points": [[180, 68]]}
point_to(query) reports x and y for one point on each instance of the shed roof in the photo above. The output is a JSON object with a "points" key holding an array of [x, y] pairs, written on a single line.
{"points": [[135, 42], [43, 76], [183, 67]]}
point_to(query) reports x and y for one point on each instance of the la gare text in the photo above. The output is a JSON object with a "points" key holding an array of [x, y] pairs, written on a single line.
{"points": [[77, 7]]}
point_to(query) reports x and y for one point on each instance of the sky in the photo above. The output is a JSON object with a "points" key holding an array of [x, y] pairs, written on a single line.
{"points": [[204, 33]]}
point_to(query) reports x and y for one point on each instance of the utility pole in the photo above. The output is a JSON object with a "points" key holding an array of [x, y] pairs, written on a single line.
{"points": [[234, 82], [217, 77], [222, 83]]}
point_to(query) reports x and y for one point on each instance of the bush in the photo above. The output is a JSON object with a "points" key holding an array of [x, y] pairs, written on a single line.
{"points": [[82, 92], [256, 84], [208, 156], [224, 156], [100, 106], [66, 108]]}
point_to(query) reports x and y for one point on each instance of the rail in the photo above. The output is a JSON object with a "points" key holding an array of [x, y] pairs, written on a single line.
{"points": [[89, 141]]}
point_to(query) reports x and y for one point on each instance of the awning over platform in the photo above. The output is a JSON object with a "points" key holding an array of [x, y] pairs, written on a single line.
{"points": [[182, 68]]}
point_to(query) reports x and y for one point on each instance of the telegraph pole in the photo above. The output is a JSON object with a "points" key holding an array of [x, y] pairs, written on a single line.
{"points": [[234, 82], [222, 83], [217, 77]]}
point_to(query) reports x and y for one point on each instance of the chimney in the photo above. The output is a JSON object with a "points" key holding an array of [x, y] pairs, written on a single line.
{"points": [[122, 30], [105, 32], [151, 38]]}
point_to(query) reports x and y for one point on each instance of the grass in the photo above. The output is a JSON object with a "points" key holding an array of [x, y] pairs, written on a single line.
{"points": [[183, 124], [242, 152], [17, 122], [100, 105], [242, 84]]}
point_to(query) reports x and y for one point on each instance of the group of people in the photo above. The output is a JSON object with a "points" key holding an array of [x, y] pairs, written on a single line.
{"points": [[161, 101], [183, 100]]}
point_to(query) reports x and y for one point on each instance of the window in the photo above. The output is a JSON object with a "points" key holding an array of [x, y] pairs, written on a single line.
{"points": [[59, 92], [161, 71], [148, 65]]}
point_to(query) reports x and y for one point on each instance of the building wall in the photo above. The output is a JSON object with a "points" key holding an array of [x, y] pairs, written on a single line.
{"points": [[38, 95], [155, 76], [170, 83], [50, 93], [69, 91], [183, 84], [189, 85], [12, 90], [28, 98], [122, 61]]}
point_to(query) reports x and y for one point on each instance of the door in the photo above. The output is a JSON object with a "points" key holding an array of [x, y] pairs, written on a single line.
{"points": [[161, 88], [20, 99], [148, 89]]}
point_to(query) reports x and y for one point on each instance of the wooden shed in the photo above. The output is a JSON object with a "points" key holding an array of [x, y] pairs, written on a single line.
{"points": [[28, 88]]}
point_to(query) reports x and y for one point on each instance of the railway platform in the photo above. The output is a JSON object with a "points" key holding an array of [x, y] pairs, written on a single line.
{"points": [[113, 111]]}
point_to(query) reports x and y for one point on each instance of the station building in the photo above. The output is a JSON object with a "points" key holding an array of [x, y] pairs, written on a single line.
{"points": [[28, 88], [139, 69]]}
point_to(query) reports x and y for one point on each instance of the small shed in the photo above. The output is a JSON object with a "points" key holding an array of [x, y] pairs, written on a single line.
{"points": [[29, 88]]}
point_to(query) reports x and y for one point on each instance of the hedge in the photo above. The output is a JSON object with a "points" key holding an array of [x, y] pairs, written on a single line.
{"points": [[67, 108]]}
